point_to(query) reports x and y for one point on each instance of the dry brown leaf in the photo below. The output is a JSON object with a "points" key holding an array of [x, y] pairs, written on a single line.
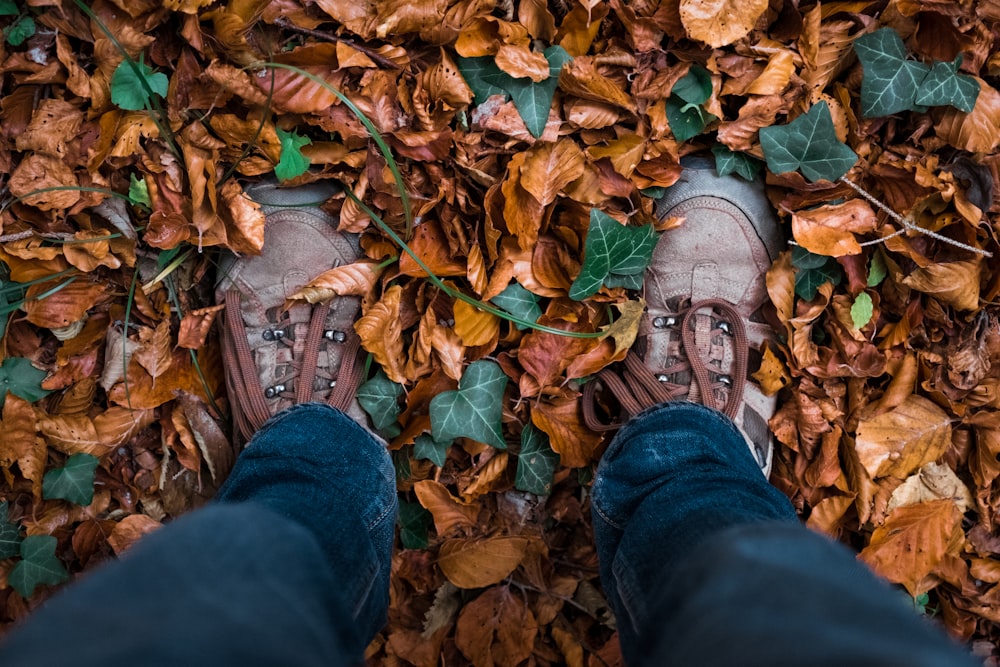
{"points": [[478, 562], [775, 76], [243, 218], [934, 481], [561, 418], [720, 22], [496, 630], [519, 61], [955, 283], [977, 131], [64, 307], [829, 230], [548, 168], [902, 440], [195, 326], [155, 353], [475, 327], [17, 435], [450, 514], [129, 530], [913, 541], [382, 335], [355, 279], [38, 171]]}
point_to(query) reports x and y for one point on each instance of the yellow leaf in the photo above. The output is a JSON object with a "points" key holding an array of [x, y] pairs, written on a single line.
{"points": [[626, 327], [474, 326]]}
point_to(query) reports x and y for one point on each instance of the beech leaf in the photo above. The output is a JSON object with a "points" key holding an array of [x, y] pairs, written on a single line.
{"points": [[536, 464], [10, 534], [809, 143], [890, 81], [292, 163], [73, 482], [21, 378], [38, 565], [474, 409], [134, 84], [614, 255]]}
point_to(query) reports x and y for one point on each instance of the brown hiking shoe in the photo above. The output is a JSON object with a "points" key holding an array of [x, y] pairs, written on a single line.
{"points": [[700, 337], [276, 356]]}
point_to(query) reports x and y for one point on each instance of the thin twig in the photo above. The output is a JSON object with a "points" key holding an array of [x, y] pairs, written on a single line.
{"points": [[327, 37], [19, 236], [568, 600], [909, 225]]}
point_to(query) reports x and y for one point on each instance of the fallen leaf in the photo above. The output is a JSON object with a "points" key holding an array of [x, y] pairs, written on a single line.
{"points": [[496, 630], [829, 230], [477, 562], [129, 530], [381, 334], [450, 513], [953, 283], [902, 440], [720, 22]]}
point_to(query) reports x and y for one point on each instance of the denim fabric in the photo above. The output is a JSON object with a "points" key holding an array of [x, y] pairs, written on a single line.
{"points": [[320, 468]]}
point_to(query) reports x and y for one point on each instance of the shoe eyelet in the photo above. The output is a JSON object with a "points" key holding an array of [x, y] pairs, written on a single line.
{"points": [[664, 322], [273, 334], [726, 380], [335, 336], [272, 392], [332, 384], [726, 328], [663, 378]]}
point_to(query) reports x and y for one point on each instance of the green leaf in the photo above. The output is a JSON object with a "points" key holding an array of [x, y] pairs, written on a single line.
{"points": [[613, 255], [474, 409], [812, 271], [732, 162], [890, 81], [862, 310], [10, 534], [133, 85], [484, 78], [533, 100], [414, 522], [686, 120], [695, 87], [809, 143], [73, 482], [138, 191], [426, 447], [945, 86], [379, 397], [536, 464], [519, 302], [876, 269], [401, 462], [8, 8], [38, 565], [292, 163], [20, 378], [19, 31]]}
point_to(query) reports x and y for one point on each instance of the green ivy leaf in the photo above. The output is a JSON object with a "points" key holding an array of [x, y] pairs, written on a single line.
{"points": [[732, 162], [812, 271], [73, 482], [876, 269], [138, 191], [20, 378], [379, 397], [533, 100], [10, 534], [484, 78], [414, 522], [536, 464], [474, 409], [684, 112], [133, 88], [519, 302], [695, 87], [38, 565], [8, 8], [945, 86], [614, 255], [809, 143], [18, 32], [292, 163], [426, 447], [890, 81], [862, 310]]}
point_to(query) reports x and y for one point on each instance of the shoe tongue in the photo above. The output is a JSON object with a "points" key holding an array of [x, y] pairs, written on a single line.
{"points": [[300, 313]]}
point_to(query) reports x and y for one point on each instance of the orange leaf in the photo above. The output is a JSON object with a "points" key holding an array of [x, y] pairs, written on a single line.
{"points": [[17, 437], [624, 154], [357, 279], [450, 513], [720, 22], [902, 440], [581, 78], [520, 61], [90, 251], [127, 531], [977, 131], [548, 168], [913, 541], [775, 76], [430, 244], [64, 307], [444, 82], [155, 353], [953, 283], [561, 418], [382, 335], [496, 629], [243, 218], [829, 230], [38, 171], [477, 563], [475, 327], [195, 326]]}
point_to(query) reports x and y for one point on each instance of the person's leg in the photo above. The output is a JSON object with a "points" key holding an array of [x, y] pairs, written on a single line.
{"points": [[705, 563], [290, 566]]}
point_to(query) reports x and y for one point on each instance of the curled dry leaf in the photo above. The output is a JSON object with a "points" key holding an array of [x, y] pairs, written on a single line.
{"points": [[381, 334], [479, 562], [935, 481], [548, 168], [829, 230], [355, 279], [195, 326], [155, 350], [17, 436], [561, 418], [39, 171], [450, 514], [520, 61], [64, 307], [955, 283], [977, 131]]}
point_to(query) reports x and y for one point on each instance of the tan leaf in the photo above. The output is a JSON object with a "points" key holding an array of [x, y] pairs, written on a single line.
{"points": [[355, 279], [449, 349], [773, 373], [64, 307], [450, 514], [90, 250], [626, 327], [195, 326], [829, 230], [521, 211], [720, 22], [71, 434], [954, 283], [475, 327], [32, 466], [902, 440], [155, 353], [548, 168], [496, 630], [827, 515], [561, 418], [913, 541], [775, 76], [17, 436], [932, 482], [519, 61], [38, 171], [382, 335], [117, 425], [477, 562], [216, 450], [624, 153], [580, 77], [243, 218], [569, 646], [128, 531], [977, 131], [486, 475], [444, 82]]}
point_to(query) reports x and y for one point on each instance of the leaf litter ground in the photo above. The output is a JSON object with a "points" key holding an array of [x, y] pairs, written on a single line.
{"points": [[517, 127]]}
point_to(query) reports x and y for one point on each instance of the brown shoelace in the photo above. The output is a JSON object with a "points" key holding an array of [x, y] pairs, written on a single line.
{"points": [[252, 408], [637, 387]]}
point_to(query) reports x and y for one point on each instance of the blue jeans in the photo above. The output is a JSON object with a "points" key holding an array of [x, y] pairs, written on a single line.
{"points": [[703, 561]]}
